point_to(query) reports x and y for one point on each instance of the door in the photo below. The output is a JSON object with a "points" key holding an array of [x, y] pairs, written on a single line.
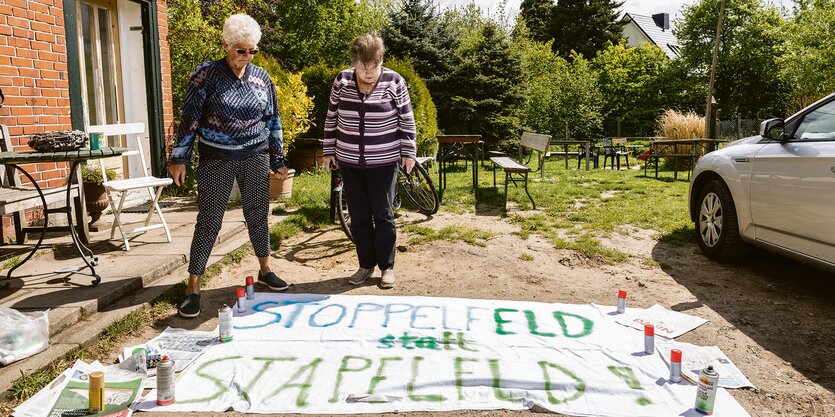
{"points": [[793, 188], [100, 68]]}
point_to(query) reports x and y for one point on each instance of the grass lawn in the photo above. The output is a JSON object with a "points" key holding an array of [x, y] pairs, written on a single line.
{"points": [[575, 208]]}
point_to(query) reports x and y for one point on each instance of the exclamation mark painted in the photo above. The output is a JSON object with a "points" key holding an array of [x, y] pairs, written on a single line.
{"points": [[625, 373]]}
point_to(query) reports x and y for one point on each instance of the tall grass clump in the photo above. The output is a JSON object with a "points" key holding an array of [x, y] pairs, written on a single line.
{"points": [[674, 125]]}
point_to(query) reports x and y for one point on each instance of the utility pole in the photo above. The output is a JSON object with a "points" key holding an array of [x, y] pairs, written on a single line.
{"points": [[710, 101]]}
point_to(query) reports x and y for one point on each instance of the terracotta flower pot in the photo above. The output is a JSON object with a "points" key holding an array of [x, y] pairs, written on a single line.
{"points": [[96, 200], [282, 188]]}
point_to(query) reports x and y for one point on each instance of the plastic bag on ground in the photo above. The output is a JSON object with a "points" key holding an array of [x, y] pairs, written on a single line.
{"points": [[22, 334]]}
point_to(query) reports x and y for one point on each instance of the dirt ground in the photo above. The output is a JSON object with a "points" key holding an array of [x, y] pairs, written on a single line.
{"points": [[772, 316]]}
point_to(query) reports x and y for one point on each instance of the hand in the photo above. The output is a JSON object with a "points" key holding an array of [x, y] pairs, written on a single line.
{"points": [[281, 173], [178, 172], [330, 162], [408, 164]]}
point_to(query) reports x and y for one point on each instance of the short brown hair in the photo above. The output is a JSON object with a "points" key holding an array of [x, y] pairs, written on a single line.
{"points": [[367, 49]]}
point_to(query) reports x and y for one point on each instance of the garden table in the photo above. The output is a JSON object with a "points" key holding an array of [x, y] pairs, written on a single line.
{"points": [[75, 158], [690, 149], [451, 147]]}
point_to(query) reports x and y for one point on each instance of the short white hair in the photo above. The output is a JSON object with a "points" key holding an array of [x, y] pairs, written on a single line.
{"points": [[241, 28]]}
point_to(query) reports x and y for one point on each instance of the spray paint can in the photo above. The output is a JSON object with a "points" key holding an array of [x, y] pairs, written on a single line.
{"points": [[241, 293], [95, 396], [706, 391], [250, 288], [621, 301], [649, 339], [165, 381], [675, 366], [224, 315]]}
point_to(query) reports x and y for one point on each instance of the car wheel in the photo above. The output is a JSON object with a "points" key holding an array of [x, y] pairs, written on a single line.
{"points": [[717, 224]]}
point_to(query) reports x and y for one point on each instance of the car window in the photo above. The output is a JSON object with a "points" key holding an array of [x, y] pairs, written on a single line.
{"points": [[818, 125]]}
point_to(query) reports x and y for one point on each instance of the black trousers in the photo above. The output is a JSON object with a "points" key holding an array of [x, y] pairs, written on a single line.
{"points": [[215, 178], [370, 193]]}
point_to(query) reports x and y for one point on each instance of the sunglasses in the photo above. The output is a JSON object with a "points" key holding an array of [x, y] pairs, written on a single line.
{"points": [[242, 51]]}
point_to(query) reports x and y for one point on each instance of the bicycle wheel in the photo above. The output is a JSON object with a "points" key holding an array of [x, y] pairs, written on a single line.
{"points": [[342, 210], [419, 189]]}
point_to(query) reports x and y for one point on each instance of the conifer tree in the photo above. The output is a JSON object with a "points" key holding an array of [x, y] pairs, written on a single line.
{"points": [[486, 89], [585, 26]]}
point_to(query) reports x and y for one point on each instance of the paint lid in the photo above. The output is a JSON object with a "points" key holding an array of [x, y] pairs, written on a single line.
{"points": [[165, 358], [649, 330], [675, 355], [250, 280], [241, 292], [621, 293]]}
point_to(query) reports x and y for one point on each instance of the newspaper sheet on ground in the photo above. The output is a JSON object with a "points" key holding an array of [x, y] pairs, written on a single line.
{"points": [[695, 358], [338, 354], [668, 324], [181, 345], [67, 395]]}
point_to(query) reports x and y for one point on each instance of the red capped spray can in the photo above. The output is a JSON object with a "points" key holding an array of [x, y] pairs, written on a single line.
{"points": [[621, 301], [649, 339], [241, 293], [250, 288], [675, 365]]}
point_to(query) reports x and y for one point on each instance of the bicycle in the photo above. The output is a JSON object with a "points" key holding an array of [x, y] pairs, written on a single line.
{"points": [[417, 187]]}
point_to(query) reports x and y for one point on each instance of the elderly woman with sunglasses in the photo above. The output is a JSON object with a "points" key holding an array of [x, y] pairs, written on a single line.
{"points": [[370, 131], [231, 105]]}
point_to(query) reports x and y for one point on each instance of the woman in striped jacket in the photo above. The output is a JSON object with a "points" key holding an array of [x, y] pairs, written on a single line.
{"points": [[370, 131]]}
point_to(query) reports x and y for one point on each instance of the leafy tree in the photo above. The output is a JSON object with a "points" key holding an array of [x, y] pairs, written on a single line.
{"points": [[558, 92], [537, 16], [486, 89], [808, 61], [193, 39], [748, 76], [633, 85], [301, 33], [319, 80], [294, 104], [426, 116], [585, 26]]}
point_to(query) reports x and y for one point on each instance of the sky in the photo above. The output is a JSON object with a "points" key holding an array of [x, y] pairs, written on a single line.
{"points": [[641, 7]]}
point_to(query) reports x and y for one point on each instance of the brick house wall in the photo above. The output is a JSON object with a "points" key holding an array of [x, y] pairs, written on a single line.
{"points": [[33, 77]]}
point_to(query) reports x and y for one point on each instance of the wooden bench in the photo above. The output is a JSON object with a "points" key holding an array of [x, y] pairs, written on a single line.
{"points": [[15, 199], [515, 171]]}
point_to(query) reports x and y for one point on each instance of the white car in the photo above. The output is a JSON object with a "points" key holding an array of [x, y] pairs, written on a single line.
{"points": [[775, 190]]}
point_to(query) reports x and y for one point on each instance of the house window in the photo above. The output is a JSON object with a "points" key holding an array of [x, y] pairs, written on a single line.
{"points": [[100, 64]]}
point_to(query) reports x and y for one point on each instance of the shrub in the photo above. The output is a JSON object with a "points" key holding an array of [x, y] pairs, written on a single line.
{"points": [[294, 105], [319, 79], [92, 174], [426, 116]]}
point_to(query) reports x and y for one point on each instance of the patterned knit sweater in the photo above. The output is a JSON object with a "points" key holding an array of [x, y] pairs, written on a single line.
{"points": [[236, 118], [365, 131]]}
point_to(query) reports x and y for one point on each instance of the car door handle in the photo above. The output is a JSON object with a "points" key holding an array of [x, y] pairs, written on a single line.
{"points": [[742, 160]]}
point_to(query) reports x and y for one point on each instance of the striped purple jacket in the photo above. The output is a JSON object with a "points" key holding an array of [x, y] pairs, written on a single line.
{"points": [[370, 131]]}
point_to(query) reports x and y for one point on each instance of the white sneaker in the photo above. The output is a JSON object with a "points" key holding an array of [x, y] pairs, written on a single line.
{"points": [[360, 276], [387, 280]]}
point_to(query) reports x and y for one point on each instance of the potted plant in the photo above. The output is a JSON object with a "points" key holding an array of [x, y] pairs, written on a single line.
{"points": [[94, 192]]}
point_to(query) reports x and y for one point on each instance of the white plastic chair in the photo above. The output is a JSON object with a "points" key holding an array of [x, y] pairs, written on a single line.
{"points": [[154, 185]]}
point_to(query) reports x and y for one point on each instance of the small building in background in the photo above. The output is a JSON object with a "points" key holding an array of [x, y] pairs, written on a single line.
{"points": [[655, 29]]}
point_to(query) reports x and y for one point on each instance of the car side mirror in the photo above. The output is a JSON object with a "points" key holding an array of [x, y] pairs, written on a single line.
{"points": [[771, 126]]}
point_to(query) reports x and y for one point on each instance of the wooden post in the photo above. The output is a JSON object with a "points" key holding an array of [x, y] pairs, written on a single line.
{"points": [[710, 99]]}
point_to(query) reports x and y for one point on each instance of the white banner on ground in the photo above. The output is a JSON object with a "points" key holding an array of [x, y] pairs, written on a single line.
{"points": [[320, 354], [668, 323]]}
